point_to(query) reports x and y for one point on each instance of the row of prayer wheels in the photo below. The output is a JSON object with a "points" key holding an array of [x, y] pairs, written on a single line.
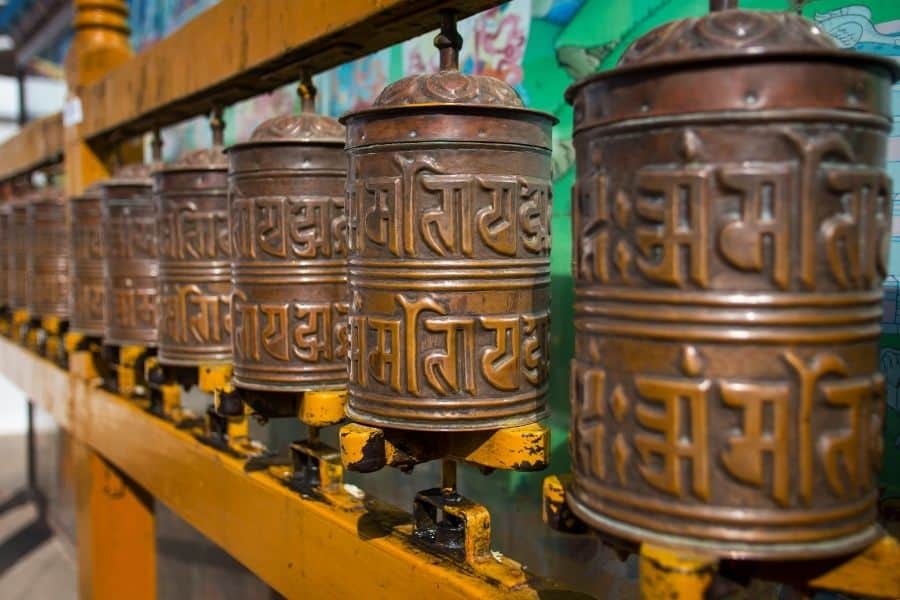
{"points": [[730, 220]]}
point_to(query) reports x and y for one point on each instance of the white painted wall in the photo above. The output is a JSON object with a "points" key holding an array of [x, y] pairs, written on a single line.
{"points": [[13, 413]]}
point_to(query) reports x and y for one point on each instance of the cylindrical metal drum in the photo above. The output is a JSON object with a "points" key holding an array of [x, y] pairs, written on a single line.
{"points": [[131, 258], [18, 253], [449, 200], [5, 245], [731, 216], [86, 266], [47, 266], [289, 230], [194, 259]]}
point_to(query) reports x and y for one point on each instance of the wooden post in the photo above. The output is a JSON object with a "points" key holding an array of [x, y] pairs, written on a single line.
{"points": [[116, 531], [115, 521], [101, 43]]}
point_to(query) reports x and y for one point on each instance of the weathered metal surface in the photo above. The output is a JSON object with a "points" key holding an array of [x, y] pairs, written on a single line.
{"points": [[194, 259], [449, 190], [47, 262], [86, 267], [289, 230], [18, 253], [131, 258], [730, 244]]}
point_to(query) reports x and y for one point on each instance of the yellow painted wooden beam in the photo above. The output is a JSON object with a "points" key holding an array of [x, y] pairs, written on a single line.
{"points": [[241, 48], [230, 52], [301, 547], [39, 143]]}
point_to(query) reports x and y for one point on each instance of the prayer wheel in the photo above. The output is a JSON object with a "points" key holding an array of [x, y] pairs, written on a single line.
{"points": [[731, 216], [194, 259], [131, 258], [18, 253], [289, 230], [47, 259], [86, 267], [449, 195]]}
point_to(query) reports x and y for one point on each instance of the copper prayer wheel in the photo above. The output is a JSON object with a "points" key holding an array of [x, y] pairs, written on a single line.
{"points": [[18, 253], [449, 270], [47, 261], [86, 266], [131, 258], [731, 216], [5, 244], [194, 259], [289, 230]]}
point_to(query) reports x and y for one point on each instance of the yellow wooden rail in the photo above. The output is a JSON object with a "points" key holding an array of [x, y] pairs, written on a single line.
{"points": [[39, 143], [295, 545], [232, 51]]}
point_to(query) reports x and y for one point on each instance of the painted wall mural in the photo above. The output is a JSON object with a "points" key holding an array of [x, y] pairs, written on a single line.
{"points": [[540, 47]]}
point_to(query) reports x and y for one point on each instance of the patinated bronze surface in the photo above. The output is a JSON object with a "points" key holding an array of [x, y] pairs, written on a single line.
{"points": [[730, 245], [18, 252], [450, 200], [131, 258], [47, 263], [86, 266], [289, 230], [194, 259]]}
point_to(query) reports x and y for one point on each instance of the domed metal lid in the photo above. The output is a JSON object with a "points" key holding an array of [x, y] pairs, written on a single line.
{"points": [[47, 195], [305, 128], [731, 35], [449, 86], [131, 174], [45, 203], [204, 159], [91, 192], [20, 201]]}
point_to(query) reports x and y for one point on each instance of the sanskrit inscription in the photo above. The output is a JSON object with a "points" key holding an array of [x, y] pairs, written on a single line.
{"points": [[295, 227], [779, 219], [131, 236], [187, 233], [191, 315], [309, 332], [667, 434], [424, 211], [425, 350]]}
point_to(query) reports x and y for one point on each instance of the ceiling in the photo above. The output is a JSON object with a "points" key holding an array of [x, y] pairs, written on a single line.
{"points": [[34, 27]]}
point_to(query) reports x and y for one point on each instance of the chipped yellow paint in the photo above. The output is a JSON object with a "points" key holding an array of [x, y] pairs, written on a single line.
{"points": [[322, 408], [671, 574], [214, 378], [873, 573], [513, 448], [127, 369], [554, 495], [525, 448]]}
